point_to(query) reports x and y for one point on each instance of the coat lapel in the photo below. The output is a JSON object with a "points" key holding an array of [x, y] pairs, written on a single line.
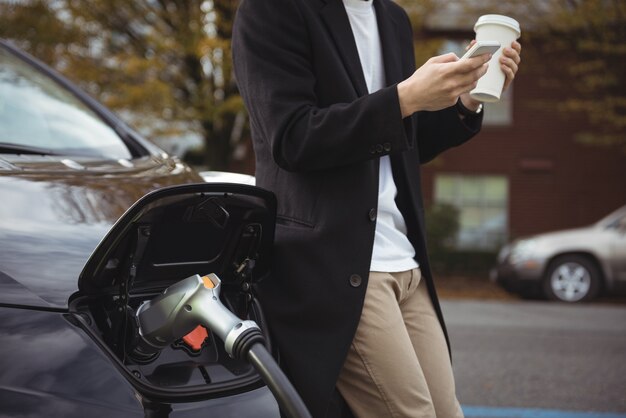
{"points": [[336, 19], [389, 39]]}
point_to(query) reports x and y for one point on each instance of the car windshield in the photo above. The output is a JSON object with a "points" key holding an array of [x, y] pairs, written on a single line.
{"points": [[614, 219], [39, 116]]}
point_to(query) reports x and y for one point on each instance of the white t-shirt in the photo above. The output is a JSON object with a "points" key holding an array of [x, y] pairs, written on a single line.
{"points": [[392, 250]]}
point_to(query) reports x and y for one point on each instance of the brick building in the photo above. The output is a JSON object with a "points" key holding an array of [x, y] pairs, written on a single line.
{"points": [[524, 173]]}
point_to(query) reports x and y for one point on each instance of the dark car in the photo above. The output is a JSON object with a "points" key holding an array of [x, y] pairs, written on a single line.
{"points": [[76, 262], [570, 266]]}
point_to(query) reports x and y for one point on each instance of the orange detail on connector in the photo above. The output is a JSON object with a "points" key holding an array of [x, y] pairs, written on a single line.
{"points": [[196, 338], [208, 283]]}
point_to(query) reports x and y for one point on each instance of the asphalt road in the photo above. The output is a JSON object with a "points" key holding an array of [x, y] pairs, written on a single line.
{"points": [[538, 359]]}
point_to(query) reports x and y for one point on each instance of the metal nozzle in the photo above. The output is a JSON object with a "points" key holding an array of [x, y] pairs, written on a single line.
{"points": [[186, 304]]}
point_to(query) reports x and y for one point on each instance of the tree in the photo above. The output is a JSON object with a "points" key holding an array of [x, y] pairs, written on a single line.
{"points": [[420, 11], [586, 42], [165, 65], [442, 226], [577, 51]]}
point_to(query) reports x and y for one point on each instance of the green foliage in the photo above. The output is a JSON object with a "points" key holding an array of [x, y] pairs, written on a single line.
{"points": [[166, 62], [419, 12], [574, 49], [473, 263], [587, 38], [442, 226]]}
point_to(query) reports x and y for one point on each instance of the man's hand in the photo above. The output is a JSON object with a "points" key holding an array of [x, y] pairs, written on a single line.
{"points": [[439, 82], [509, 63]]}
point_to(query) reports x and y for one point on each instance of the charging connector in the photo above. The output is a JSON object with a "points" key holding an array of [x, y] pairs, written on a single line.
{"points": [[196, 301]]}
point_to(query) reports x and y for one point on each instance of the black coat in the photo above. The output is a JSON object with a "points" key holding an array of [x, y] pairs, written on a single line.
{"points": [[318, 137]]}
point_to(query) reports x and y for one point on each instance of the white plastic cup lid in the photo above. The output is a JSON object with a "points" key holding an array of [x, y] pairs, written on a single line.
{"points": [[499, 20]]}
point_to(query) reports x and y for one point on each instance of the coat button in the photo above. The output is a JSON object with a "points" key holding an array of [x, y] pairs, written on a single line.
{"points": [[355, 280], [387, 146], [372, 214], [373, 149], [379, 148]]}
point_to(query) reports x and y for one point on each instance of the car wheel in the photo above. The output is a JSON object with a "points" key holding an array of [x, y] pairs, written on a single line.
{"points": [[572, 278]]}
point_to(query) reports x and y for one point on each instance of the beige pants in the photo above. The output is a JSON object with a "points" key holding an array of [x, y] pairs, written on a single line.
{"points": [[398, 364]]}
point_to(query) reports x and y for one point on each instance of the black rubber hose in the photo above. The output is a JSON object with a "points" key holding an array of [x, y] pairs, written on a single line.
{"points": [[288, 399]]}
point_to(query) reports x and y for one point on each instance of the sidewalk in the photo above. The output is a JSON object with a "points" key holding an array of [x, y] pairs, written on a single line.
{"points": [[464, 287]]}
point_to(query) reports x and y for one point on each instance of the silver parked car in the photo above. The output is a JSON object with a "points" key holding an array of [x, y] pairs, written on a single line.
{"points": [[571, 266]]}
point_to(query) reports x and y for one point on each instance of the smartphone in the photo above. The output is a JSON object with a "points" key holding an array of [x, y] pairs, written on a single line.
{"points": [[482, 47]]}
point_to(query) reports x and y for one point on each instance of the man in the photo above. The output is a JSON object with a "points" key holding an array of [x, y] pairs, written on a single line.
{"points": [[341, 122]]}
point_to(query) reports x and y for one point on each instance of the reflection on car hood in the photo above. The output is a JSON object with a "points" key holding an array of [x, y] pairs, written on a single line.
{"points": [[588, 239], [572, 236], [52, 219]]}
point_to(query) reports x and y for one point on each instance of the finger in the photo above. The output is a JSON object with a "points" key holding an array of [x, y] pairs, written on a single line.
{"points": [[470, 44], [470, 64], [468, 81], [517, 46], [480, 72], [466, 88], [512, 54], [509, 75], [509, 63], [449, 57], [483, 70]]}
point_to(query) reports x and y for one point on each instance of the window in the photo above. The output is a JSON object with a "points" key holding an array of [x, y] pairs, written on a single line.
{"points": [[483, 206], [38, 113], [496, 114], [500, 113]]}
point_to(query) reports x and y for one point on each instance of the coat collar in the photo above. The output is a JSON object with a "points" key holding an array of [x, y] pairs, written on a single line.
{"points": [[334, 15]]}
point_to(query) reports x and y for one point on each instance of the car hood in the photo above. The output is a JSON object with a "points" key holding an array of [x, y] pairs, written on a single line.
{"points": [[577, 239], [565, 235], [54, 213]]}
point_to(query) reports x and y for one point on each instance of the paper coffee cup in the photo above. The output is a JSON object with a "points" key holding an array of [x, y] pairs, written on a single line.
{"points": [[494, 28]]}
